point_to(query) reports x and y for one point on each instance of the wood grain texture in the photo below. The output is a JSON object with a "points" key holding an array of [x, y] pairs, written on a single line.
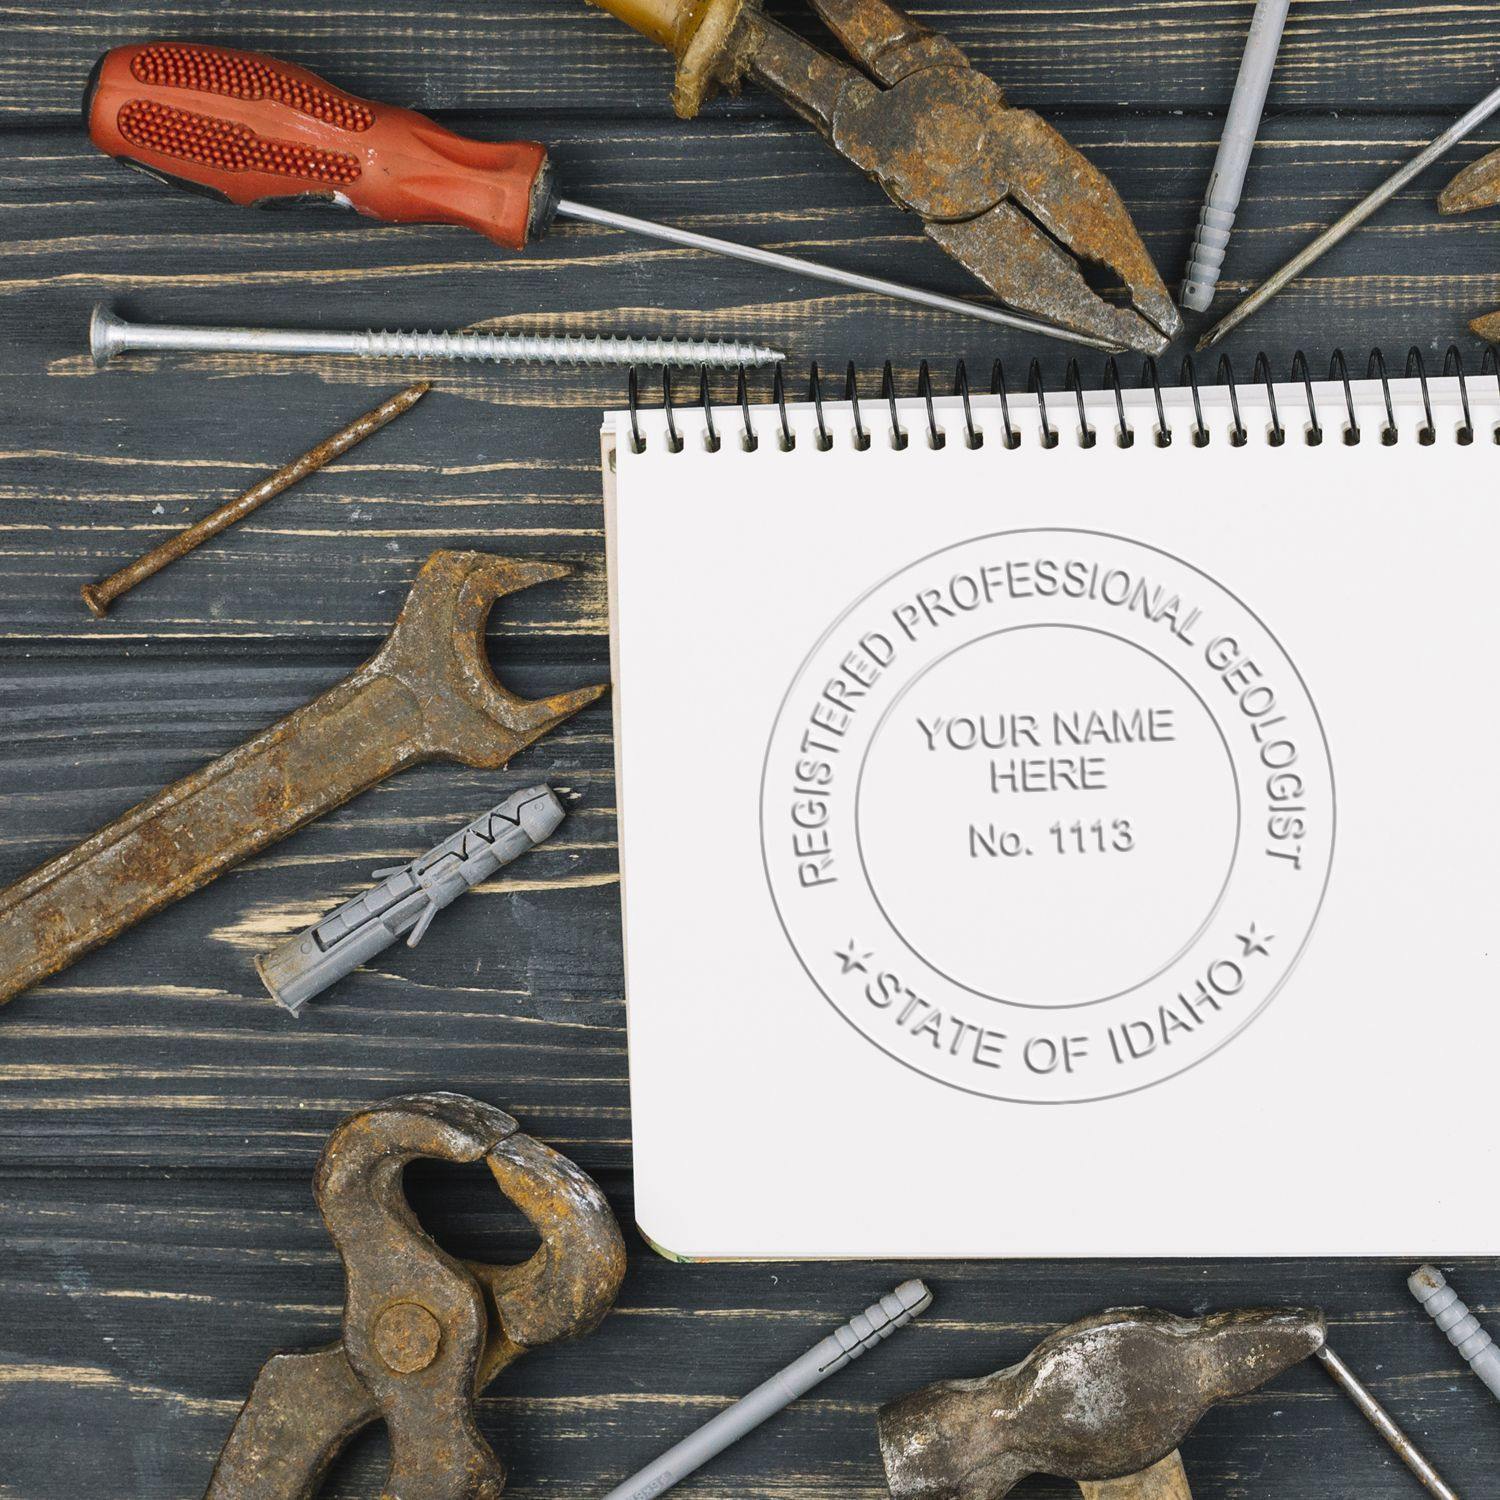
{"points": [[125, 1287], [159, 1116], [542, 58], [502, 457]]}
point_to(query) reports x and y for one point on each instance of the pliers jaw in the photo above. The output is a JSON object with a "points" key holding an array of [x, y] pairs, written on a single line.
{"points": [[1476, 187], [996, 187]]}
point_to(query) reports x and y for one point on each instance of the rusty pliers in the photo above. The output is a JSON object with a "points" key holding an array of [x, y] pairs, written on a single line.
{"points": [[996, 187], [423, 1333]]}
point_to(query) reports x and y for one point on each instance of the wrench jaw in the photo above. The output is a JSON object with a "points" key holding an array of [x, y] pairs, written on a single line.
{"points": [[438, 649]]}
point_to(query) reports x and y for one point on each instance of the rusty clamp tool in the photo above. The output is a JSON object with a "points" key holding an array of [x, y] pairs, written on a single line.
{"points": [[428, 694], [998, 188], [423, 1333]]}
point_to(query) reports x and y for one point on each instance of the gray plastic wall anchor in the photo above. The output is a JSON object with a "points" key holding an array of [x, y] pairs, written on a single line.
{"points": [[407, 899], [844, 1345], [1431, 1289], [1227, 181]]}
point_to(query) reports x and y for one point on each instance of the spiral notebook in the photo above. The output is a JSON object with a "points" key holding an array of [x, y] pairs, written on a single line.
{"points": [[1064, 824]]}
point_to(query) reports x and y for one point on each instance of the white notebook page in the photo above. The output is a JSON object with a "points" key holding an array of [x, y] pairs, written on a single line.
{"points": [[1062, 851]]}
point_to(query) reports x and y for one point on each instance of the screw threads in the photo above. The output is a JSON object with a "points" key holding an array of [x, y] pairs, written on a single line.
{"points": [[535, 349], [110, 336], [1444, 1306]]}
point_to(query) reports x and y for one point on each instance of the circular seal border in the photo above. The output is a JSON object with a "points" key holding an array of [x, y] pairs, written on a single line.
{"points": [[1317, 906]]}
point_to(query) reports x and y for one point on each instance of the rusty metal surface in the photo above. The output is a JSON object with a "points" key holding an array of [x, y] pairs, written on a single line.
{"points": [[1476, 187], [429, 693], [99, 596], [1106, 1398], [1487, 327], [423, 1333], [996, 187]]}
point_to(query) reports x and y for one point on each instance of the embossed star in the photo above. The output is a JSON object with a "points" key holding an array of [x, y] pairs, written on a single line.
{"points": [[1253, 942], [853, 959]]}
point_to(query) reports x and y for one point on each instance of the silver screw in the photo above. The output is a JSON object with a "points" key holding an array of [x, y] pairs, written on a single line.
{"points": [[110, 335], [1431, 1289]]}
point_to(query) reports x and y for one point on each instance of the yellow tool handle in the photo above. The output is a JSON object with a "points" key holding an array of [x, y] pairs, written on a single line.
{"points": [[670, 22], [700, 34]]}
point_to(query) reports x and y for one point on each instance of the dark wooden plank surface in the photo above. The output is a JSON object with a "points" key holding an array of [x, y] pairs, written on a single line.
{"points": [[159, 1118], [557, 57]]}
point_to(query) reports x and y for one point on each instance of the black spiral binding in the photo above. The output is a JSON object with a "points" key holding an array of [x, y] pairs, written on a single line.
{"points": [[1124, 434]]}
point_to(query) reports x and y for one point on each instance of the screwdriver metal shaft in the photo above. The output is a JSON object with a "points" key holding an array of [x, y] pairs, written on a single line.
{"points": [[754, 255]]}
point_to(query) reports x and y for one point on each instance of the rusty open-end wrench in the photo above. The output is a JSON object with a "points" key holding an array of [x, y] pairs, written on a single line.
{"points": [[423, 1334], [428, 694]]}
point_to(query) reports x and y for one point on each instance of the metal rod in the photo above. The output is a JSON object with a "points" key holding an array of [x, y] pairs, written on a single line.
{"points": [[99, 596], [1354, 218], [1385, 1425], [111, 335], [880, 287]]}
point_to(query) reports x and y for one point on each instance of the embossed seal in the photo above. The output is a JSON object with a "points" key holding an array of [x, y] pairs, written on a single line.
{"points": [[1048, 815]]}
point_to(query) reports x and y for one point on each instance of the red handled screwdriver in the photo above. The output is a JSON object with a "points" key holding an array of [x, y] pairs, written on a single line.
{"points": [[255, 131]]}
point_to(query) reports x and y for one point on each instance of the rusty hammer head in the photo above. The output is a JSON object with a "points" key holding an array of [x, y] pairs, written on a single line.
{"points": [[1105, 1399], [437, 652]]}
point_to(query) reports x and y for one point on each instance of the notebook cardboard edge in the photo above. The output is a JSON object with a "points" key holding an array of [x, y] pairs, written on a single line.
{"points": [[608, 450]]}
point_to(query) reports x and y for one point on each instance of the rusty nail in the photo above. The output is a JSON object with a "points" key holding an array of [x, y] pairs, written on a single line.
{"points": [[99, 596]]}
